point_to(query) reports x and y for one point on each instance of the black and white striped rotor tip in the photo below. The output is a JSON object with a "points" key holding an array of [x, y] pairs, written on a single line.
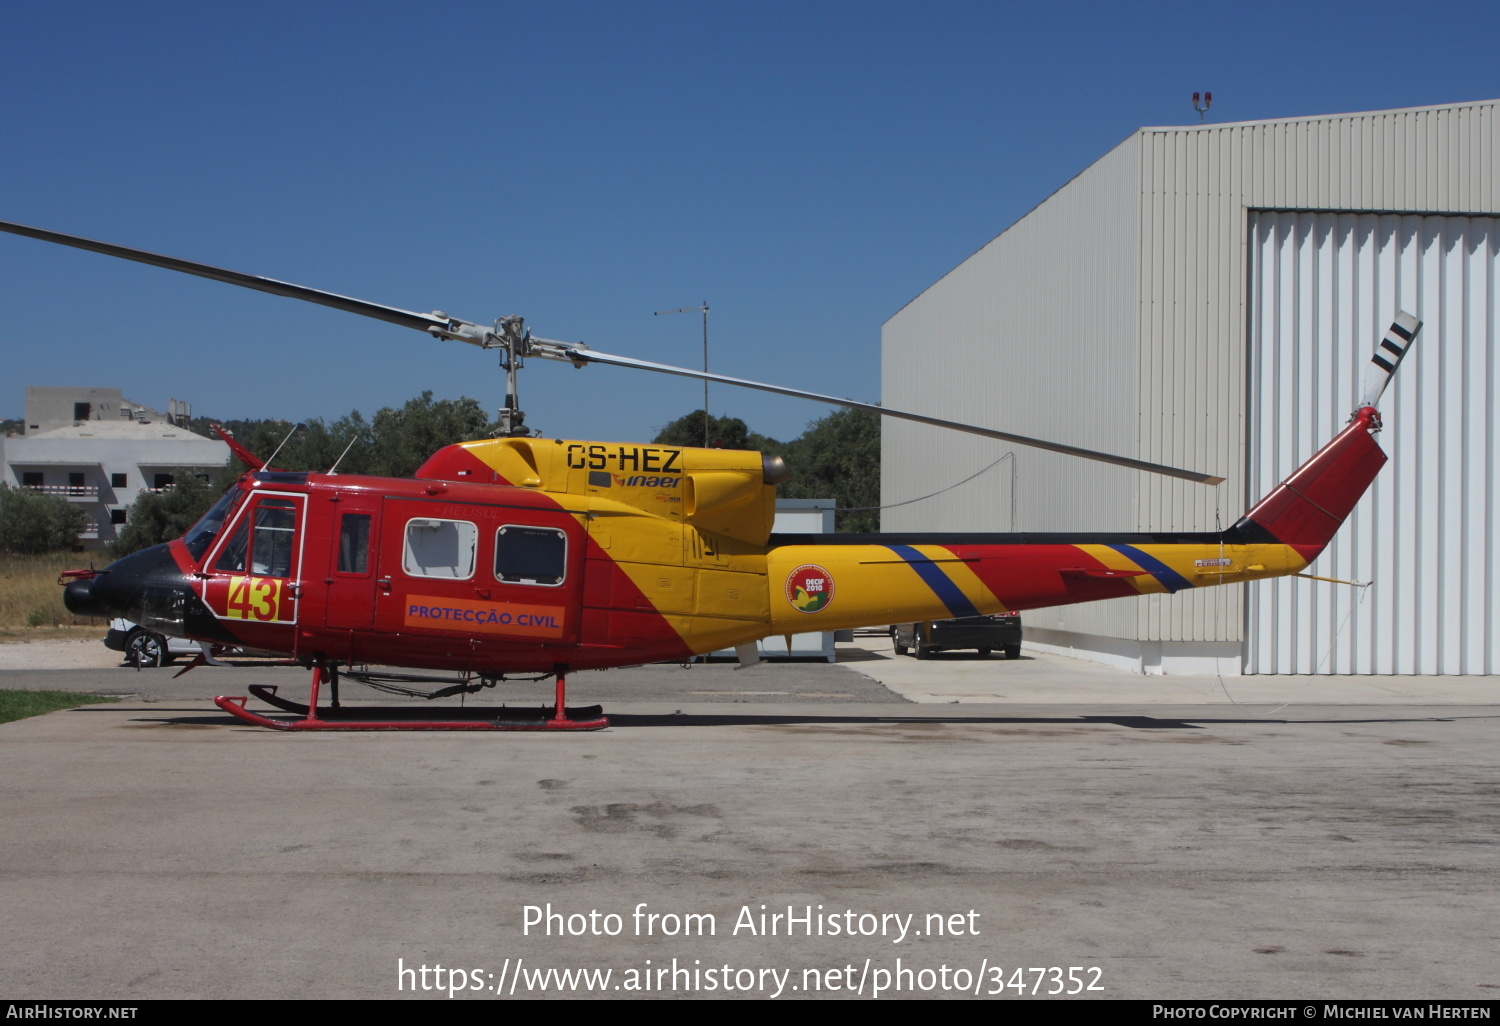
{"points": [[1398, 339]]}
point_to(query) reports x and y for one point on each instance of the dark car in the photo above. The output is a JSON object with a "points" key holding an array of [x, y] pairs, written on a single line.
{"points": [[1000, 631]]}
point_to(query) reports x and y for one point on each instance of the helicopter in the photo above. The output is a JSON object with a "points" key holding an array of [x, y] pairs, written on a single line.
{"points": [[522, 555]]}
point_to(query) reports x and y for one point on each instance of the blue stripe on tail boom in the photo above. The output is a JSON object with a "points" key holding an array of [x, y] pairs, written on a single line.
{"points": [[1169, 578], [941, 584]]}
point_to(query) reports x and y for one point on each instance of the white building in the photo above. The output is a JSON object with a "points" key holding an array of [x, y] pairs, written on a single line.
{"points": [[94, 447], [1207, 297]]}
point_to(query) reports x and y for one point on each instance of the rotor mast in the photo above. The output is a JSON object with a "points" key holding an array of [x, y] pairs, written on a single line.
{"points": [[512, 337]]}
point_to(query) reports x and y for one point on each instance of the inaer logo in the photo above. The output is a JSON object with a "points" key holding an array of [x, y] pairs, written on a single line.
{"points": [[484, 617], [809, 588]]}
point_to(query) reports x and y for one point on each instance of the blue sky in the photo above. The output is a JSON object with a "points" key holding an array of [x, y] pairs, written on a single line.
{"points": [[805, 168]]}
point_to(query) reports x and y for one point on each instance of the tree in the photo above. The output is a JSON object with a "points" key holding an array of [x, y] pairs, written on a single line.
{"points": [[394, 444], [33, 522], [402, 440], [838, 457], [157, 517], [723, 433]]}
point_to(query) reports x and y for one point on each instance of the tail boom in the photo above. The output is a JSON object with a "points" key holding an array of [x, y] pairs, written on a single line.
{"points": [[833, 582], [884, 579]]}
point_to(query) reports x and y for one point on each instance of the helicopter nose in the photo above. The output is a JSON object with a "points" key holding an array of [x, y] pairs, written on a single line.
{"points": [[147, 588], [127, 586], [78, 596]]}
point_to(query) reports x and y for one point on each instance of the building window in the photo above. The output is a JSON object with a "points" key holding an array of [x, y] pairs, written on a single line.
{"points": [[117, 480], [117, 516], [162, 481], [31, 478], [75, 480], [82, 411]]}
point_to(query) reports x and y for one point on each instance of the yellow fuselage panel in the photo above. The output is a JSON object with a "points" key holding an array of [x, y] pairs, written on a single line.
{"points": [[831, 587]]}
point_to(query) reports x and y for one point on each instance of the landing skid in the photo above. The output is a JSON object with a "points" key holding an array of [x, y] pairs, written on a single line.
{"points": [[339, 717]]}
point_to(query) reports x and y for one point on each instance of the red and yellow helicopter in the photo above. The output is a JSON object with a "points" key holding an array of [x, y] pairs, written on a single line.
{"points": [[527, 555]]}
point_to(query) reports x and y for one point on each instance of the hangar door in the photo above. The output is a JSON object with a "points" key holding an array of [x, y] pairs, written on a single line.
{"points": [[1323, 287]]}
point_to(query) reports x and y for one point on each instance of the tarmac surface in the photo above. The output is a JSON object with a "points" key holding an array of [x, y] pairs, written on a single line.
{"points": [[1164, 840]]}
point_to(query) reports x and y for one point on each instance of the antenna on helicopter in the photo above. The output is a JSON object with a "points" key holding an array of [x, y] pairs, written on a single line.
{"points": [[285, 440], [700, 308], [333, 469]]}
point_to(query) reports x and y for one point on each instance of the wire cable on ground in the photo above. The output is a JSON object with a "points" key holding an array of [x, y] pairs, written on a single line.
{"points": [[1364, 589]]}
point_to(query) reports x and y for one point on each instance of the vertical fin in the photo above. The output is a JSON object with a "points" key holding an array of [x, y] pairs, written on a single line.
{"points": [[1307, 508]]}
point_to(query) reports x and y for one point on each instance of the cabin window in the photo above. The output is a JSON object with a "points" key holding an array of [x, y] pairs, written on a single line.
{"points": [[354, 543], [440, 548], [530, 555]]}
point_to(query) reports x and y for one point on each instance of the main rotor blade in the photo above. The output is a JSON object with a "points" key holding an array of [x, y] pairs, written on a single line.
{"points": [[441, 324], [579, 356], [394, 315]]}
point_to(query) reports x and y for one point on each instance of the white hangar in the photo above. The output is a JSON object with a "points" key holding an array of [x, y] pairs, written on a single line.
{"points": [[1207, 297]]}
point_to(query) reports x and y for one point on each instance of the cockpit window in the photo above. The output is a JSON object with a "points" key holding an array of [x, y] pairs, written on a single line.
{"points": [[205, 530], [266, 550], [275, 530], [232, 555]]}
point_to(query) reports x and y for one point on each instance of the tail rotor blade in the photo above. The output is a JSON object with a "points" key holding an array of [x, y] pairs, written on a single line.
{"points": [[1388, 356]]}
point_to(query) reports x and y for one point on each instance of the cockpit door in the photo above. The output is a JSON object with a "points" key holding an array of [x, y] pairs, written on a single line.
{"points": [[252, 574]]}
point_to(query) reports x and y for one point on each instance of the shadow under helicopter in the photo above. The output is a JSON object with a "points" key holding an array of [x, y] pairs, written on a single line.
{"points": [[697, 719]]}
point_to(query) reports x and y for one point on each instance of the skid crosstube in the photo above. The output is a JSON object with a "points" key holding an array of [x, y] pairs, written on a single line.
{"points": [[556, 717]]}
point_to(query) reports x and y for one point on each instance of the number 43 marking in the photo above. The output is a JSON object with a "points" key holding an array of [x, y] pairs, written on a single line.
{"points": [[254, 598]]}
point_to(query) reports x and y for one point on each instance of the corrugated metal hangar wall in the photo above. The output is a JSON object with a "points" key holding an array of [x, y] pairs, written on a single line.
{"points": [[1206, 297]]}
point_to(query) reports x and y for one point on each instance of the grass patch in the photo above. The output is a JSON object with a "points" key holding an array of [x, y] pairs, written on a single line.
{"points": [[90, 630], [18, 705], [30, 598]]}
